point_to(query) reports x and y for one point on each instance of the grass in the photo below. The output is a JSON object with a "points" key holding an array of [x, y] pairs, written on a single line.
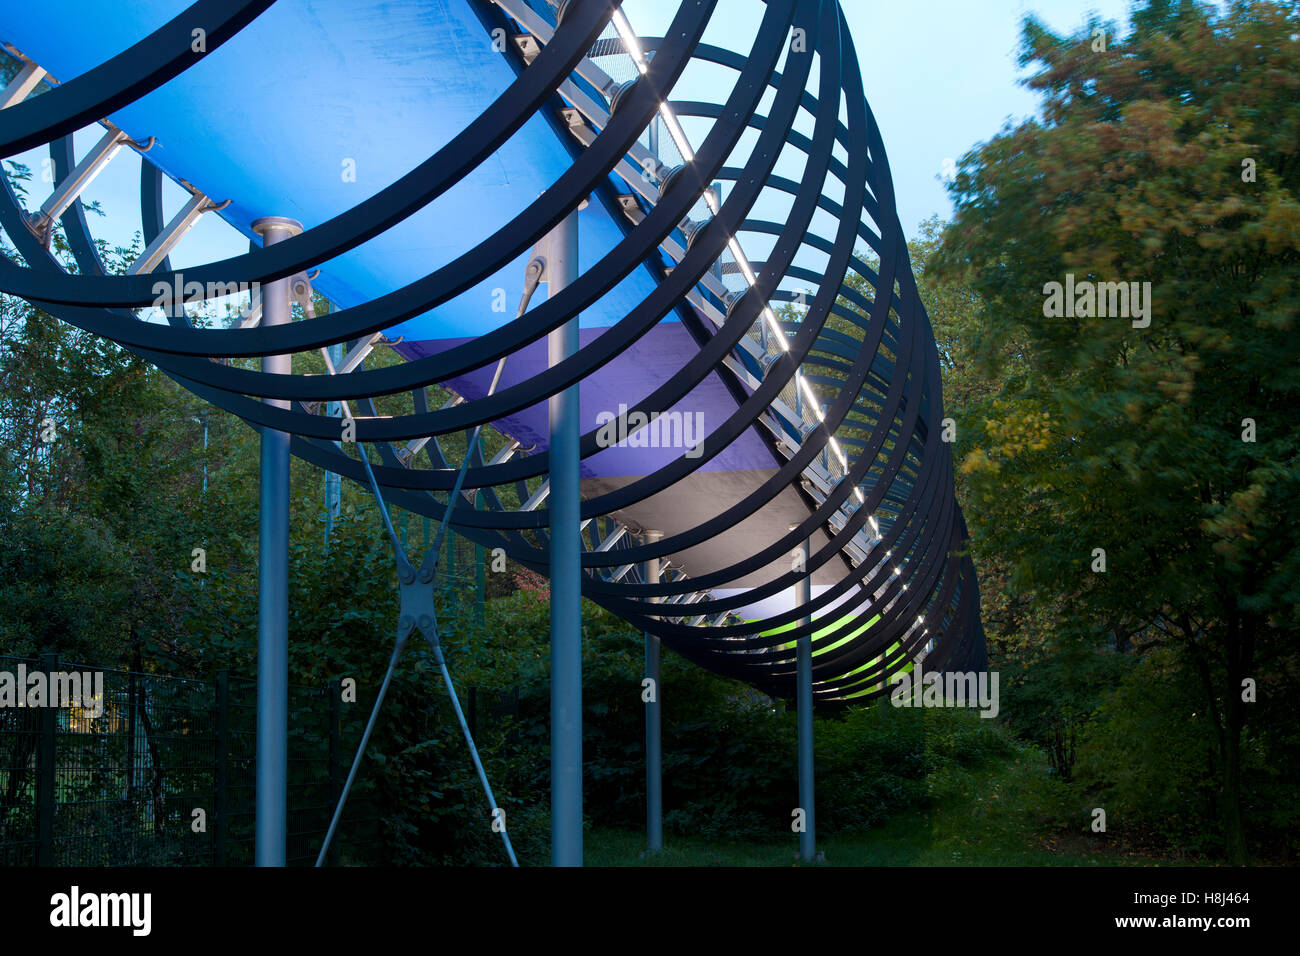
{"points": [[986, 816]]}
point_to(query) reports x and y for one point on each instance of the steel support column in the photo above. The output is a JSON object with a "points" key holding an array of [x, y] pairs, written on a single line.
{"points": [[803, 594], [654, 781], [566, 568], [273, 590]]}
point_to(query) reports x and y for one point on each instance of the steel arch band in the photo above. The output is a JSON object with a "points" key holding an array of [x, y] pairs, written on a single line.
{"points": [[820, 356]]}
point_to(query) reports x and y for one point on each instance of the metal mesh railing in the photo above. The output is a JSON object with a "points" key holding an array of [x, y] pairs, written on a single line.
{"points": [[159, 771], [610, 55]]}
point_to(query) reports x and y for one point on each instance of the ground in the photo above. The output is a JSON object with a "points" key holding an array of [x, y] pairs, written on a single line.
{"points": [[984, 817]]}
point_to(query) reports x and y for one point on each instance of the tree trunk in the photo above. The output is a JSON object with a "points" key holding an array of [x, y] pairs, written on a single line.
{"points": [[1228, 728], [1240, 651], [1233, 830]]}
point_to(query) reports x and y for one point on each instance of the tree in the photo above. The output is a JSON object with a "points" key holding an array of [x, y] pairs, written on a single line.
{"points": [[1141, 469]]}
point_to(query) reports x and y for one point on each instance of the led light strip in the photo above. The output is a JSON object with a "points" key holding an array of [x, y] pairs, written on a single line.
{"points": [[633, 46]]}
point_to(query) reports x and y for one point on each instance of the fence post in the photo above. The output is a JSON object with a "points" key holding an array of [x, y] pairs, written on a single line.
{"points": [[130, 737], [480, 564], [47, 721], [221, 776], [335, 692], [449, 573]]}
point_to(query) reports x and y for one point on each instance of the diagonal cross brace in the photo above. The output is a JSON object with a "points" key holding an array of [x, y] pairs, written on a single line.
{"points": [[417, 610]]}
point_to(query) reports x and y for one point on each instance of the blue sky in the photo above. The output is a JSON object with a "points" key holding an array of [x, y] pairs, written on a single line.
{"points": [[946, 78], [940, 76]]}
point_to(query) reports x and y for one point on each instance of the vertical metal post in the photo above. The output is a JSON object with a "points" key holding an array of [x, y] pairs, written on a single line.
{"points": [[46, 780], [803, 595], [480, 569], [566, 568], [449, 563], [130, 736], [273, 589], [333, 484], [335, 691], [221, 776], [654, 780]]}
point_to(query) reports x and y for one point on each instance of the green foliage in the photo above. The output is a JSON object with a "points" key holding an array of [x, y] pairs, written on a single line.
{"points": [[1148, 758], [62, 586], [1053, 688], [1071, 434], [1102, 435]]}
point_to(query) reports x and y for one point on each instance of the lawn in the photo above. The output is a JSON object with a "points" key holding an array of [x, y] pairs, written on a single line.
{"points": [[982, 817]]}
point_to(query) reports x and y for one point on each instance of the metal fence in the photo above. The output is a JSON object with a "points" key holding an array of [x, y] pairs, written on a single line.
{"points": [[160, 771]]}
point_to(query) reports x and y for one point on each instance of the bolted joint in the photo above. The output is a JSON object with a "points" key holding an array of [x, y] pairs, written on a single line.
{"points": [[631, 208], [692, 229], [733, 299], [573, 119], [620, 94], [671, 179], [42, 227], [528, 47]]}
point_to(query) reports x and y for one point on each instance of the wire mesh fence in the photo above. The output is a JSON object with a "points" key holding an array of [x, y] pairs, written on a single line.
{"points": [[147, 770]]}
